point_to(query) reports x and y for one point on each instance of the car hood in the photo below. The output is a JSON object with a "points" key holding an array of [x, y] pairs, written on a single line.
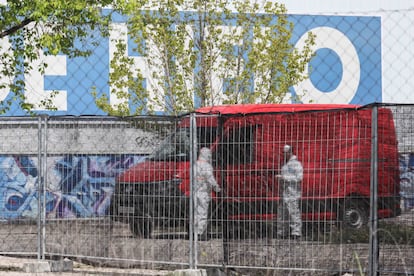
{"points": [[152, 171]]}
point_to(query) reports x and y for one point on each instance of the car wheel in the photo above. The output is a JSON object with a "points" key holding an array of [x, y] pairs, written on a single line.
{"points": [[355, 214]]}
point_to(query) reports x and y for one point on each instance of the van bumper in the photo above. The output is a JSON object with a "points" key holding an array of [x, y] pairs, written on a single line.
{"points": [[161, 200]]}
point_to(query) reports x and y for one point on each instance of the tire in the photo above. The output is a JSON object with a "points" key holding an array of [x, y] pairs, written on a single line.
{"points": [[355, 214], [142, 226]]}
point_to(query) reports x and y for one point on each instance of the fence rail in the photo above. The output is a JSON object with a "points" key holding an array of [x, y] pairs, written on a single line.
{"points": [[126, 194]]}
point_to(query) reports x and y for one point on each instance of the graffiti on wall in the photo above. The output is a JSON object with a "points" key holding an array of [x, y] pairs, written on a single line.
{"points": [[407, 180], [76, 185], [81, 186]]}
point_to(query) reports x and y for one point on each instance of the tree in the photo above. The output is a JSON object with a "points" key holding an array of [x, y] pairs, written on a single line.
{"points": [[31, 30], [213, 52]]}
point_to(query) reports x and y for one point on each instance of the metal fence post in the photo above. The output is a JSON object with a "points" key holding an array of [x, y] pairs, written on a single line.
{"points": [[193, 159], [44, 184], [39, 188], [373, 223], [41, 180]]}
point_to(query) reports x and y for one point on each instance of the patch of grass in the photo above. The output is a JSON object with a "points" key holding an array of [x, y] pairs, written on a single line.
{"points": [[388, 233]]}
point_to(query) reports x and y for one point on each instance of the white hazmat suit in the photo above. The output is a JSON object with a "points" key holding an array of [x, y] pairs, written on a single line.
{"points": [[290, 181], [204, 182]]}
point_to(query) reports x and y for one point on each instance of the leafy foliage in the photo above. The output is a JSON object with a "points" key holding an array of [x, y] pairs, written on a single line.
{"points": [[33, 29], [215, 52], [221, 52]]}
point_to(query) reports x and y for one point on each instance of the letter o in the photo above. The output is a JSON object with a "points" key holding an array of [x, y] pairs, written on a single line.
{"points": [[337, 41]]}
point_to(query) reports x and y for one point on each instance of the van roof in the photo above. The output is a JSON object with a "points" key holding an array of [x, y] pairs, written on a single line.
{"points": [[264, 108]]}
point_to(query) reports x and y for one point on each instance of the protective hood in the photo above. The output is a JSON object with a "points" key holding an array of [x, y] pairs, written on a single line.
{"points": [[205, 155]]}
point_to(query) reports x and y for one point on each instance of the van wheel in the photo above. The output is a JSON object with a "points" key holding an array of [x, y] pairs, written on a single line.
{"points": [[355, 214], [141, 227]]}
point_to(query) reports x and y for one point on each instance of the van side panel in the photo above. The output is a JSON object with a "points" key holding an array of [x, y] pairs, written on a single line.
{"points": [[333, 146], [333, 142]]}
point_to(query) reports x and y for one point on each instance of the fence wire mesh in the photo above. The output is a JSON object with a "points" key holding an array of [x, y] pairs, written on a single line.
{"points": [[361, 57], [19, 194], [121, 191]]}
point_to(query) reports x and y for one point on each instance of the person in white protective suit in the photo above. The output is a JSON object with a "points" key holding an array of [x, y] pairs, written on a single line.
{"points": [[204, 182], [290, 179]]}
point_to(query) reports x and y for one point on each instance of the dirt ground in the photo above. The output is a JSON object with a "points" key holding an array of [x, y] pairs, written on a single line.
{"points": [[104, 246]]}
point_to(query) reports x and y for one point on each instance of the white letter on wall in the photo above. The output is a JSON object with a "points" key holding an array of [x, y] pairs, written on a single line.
{"points": [[119, 32], [331, 38], [34, 81]]}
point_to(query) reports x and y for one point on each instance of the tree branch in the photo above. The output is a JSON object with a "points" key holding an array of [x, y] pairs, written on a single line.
{"points": [[15, 28]]}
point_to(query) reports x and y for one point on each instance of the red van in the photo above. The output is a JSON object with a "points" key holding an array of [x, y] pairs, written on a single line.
{"points": [[332, 141]]}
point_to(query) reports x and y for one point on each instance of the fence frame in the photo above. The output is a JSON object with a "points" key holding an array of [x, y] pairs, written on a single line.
{"points": [[193, 243]]}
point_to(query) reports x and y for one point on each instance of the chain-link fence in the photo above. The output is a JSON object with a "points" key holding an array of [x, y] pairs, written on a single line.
{"points": [[119, 191], [129, 192], [361, 57]]}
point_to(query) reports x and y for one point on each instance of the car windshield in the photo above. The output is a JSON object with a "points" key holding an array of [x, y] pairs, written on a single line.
{"points": [[175, 146]]}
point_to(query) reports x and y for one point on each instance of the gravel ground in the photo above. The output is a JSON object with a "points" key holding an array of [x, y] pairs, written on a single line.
{"points": [[118, 248], [14, 266]]}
